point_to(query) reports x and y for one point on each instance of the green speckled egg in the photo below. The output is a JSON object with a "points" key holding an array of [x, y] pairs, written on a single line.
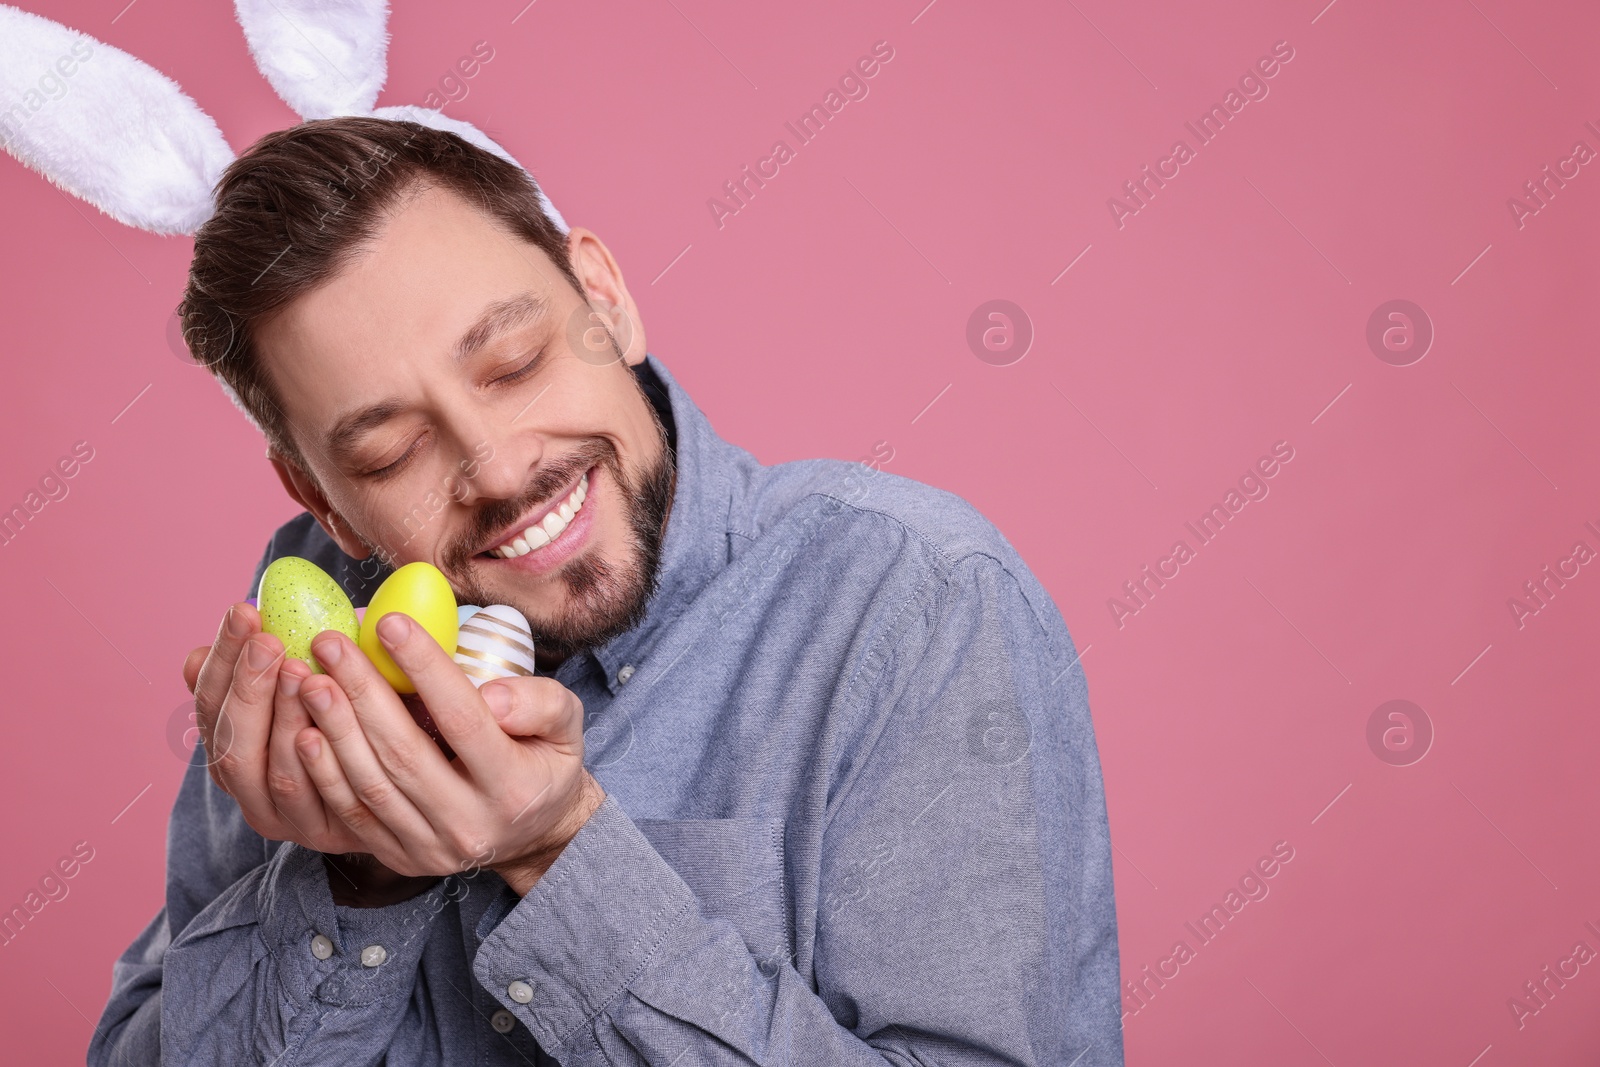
{"points": [[298, 600]]}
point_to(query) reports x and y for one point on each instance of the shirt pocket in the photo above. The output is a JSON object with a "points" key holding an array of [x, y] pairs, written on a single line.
{"points": [[735, 867]]}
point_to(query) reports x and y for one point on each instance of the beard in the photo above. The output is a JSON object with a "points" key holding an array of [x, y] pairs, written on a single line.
{"points": [[605, 597]]}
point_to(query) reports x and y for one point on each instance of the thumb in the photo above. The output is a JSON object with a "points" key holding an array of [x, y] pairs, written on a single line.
{"points": [[192, 665], [534, 707]]}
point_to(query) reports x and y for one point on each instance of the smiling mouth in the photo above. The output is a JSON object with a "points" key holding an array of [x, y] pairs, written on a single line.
{"points": [[547, 529]]}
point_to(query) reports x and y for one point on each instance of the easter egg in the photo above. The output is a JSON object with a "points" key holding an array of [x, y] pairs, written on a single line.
{"points": [[495, 643], [466, 611], [421, 591], [298, 600]]}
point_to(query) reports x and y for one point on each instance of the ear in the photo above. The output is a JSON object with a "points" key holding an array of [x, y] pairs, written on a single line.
{"points": [[305, 492], [604, 288]]}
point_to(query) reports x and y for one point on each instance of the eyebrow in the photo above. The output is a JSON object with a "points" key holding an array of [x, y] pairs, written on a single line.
{"points": [[498, 318]]}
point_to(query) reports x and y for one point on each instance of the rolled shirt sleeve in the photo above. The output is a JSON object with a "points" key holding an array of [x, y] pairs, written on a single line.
{"points": [[963, 912]]}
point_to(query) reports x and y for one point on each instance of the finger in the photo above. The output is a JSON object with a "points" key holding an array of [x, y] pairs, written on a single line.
{"points": [[328, 775], [459, 712], [369, 783], [216, 673], [410, 757], [288, 783], [236, 740], [192, 665], [535, 707]]}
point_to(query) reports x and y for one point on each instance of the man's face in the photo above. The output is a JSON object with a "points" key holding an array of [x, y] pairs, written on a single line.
{"points": [[441, 393]]}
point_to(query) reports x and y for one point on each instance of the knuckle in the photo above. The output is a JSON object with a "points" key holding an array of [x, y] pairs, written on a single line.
{"points": [[359, 686], [252, 688], [554, 700], [377, 793], [544, 690], [208, 694], [337, 732], [469, 727], [537, 704], [227, 766], [357, 817], [284, 785], [467, 846], [404, 762]]}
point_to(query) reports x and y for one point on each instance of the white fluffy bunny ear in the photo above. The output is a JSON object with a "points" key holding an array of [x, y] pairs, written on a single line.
{"points": [[324, 57], [470, 133], [328, 58], [106, 127]]}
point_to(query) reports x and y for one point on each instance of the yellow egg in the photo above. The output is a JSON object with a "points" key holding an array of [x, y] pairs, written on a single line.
{"points": [[420, 591]]}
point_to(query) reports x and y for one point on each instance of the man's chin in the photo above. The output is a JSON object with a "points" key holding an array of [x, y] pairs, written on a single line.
{"points": [[600, 592]]}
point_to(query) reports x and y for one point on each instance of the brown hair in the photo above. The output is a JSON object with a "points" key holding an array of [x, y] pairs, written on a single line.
{"points": [[298, 206]]}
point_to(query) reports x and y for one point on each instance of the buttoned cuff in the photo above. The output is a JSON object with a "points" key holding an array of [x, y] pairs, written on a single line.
{"points": [[585, 931], [346, 956]]}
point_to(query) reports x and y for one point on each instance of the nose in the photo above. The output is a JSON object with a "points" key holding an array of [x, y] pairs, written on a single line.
{"points": [[493, 464]]}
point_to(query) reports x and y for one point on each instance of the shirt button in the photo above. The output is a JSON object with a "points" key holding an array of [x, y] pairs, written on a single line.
{"points": [[520, 991], [624, 674], [321, 947], [373, 956], [502, 1021]]}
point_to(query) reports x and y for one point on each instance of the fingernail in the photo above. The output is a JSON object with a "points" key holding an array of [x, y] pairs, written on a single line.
{"points": [[237, 626], [319, 698], [329, 652], [394, 628], [498, 699], [311, 749], [288, 683], [259, 655]]}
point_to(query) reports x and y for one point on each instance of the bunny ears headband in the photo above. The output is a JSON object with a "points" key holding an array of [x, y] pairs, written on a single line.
{"points": [[114, 131]]}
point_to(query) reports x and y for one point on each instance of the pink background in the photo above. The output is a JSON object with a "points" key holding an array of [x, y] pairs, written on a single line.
{"points": [[831, 312]]}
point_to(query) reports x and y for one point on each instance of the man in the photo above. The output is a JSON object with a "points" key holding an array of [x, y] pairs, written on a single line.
{"points": [[808, 774]]}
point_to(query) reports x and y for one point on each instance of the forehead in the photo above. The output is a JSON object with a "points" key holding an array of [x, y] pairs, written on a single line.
{"points": [[392, 315]]}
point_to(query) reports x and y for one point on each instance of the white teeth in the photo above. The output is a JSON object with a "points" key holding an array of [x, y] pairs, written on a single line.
{"points": [[552, 526]]}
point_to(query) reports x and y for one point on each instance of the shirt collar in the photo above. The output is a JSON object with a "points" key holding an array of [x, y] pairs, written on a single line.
{"points": [[695, 547]]}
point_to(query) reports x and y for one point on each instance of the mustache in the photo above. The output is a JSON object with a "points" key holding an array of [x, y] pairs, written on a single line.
{"points": [[496, 515]]}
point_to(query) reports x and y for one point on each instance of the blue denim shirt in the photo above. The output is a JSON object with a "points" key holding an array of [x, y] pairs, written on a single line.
{"points": [[854, 816]]}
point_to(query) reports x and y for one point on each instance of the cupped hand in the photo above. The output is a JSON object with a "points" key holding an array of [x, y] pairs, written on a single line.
{"points": [[512, 798], [245, 706]]}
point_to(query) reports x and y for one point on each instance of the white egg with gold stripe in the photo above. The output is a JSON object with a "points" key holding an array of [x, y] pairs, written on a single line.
{"points": [[495, 642]]}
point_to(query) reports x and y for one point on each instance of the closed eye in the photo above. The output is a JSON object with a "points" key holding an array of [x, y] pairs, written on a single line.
{"points": [[511, 378], [521, 373], [391, 469]]}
